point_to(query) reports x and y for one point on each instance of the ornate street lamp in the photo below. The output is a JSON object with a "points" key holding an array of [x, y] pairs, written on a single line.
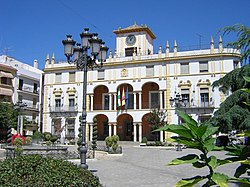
{"points": [[85, 61], [20, 106], [177, 101]]}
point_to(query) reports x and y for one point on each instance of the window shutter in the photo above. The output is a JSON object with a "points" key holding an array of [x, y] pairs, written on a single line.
{"points": [[149, 71], [184, 68], [203, 66], [71, 76]]}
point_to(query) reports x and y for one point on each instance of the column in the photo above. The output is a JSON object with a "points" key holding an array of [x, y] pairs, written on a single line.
{"points": [[140, 100], [110, 129], [115, 95], [161, 106], [135, 133], [115, 129], [161, 136], [134, 101], [110, 101], [91, 132], [140, 132], [91, 102], [62, 132]]}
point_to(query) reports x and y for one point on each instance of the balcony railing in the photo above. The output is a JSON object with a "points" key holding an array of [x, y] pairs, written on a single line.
{"points": [[196, 104], [65, 108]]}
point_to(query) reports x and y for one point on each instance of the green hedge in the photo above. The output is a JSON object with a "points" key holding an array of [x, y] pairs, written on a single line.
{"points": [[35, 170]]}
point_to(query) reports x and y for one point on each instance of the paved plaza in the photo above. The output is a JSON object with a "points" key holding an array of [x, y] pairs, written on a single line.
{"points": [[146, 167]]}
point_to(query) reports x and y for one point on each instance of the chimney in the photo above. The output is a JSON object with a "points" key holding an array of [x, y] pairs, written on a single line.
{"points": [[36, 64]]}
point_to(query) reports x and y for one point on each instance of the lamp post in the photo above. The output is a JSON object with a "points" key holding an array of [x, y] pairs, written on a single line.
{"points": [[178, 102], [20, 106], [84, 61]]}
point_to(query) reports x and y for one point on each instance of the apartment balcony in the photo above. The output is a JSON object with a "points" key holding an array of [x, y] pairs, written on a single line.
{"points": [[28, 90], [32, 107], [196, 106], [65, 110]]}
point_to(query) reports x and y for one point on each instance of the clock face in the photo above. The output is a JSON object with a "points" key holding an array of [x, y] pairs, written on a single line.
{"points": [[130, 40]]}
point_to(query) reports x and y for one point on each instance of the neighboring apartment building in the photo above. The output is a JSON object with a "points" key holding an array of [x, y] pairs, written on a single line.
{"points": [[146, 80], [27, 86], [7, 74]]}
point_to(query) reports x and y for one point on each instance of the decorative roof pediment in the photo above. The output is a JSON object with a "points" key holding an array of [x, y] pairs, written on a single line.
{"points": [[71, 91], [206, 82], [185, 84], [57, 91]]}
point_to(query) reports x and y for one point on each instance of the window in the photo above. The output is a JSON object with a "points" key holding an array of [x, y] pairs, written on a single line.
{"points": [[203, 66], [20, 86], [71, 102], [185, 97], [236, 63], [4, 80], [184, 68], [129, 51], [58, 102], [58, 77], [34, 102], [20, 98], [35, 88], [130, 101], [71, 76], [149, 71], [101, 74], [70, 128], [203, 119], [154, 99], [106, 102], [204, 94]]}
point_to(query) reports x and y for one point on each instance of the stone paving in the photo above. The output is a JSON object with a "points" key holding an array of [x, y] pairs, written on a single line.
{"points": [[146, 167]]}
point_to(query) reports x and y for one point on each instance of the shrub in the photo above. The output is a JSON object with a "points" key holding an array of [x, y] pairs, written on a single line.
{"points": [[35, 170], [115, 138], [108, 141], [47, 136], [144, 140], [18, 142], [114, 147], [37, 135], [28, 140]]}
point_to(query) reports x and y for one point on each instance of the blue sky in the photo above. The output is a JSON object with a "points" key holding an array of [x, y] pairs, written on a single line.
{"points": [[31, 29]]}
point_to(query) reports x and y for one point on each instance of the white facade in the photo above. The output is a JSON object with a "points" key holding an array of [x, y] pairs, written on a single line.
{"points": [[150, 80], [27, 89]]}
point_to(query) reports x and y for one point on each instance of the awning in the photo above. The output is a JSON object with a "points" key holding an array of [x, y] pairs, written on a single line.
{"points": [[4, 74], [5, 91]]}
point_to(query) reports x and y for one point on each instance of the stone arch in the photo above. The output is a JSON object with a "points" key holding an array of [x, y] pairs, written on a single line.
{"points": [[125, 127]]}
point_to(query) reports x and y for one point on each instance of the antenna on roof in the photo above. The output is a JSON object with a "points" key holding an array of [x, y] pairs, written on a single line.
{"points": [[5, 50], [200, 38]]}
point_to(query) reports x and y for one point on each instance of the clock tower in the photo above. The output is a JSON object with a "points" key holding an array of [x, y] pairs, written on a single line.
{"points": [[134, 39]]}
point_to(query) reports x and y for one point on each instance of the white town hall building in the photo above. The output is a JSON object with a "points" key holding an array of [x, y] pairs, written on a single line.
{"points": [[147, 80]]}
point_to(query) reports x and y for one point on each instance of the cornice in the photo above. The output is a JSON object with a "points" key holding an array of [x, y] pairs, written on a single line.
{"points": [[145, 61]]}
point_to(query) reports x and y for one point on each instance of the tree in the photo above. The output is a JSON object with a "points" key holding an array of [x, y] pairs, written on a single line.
{"points": [[8, 118], [233, 113], [243, 38], [156, 120], [8, 115]]}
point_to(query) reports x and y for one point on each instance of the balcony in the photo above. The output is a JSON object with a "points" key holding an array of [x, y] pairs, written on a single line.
{"points": [[198, 106], [70, 136], [64, 110], [28, 90]]}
